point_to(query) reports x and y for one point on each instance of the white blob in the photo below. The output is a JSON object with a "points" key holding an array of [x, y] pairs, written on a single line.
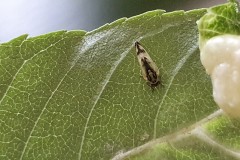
{"points": [[221, 59]]}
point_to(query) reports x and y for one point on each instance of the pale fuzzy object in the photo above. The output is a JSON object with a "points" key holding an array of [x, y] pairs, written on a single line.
{"points": [[221, 59]]}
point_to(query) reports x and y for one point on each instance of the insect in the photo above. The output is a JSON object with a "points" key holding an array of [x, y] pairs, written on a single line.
{"points": [[149, 69]]}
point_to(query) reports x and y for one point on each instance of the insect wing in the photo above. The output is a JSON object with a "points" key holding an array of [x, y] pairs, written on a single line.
{"points": [[152, 64], [143, 58]]}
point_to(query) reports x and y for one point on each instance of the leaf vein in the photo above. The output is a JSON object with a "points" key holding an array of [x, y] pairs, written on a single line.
{"points": [[104, 83], [23, 64], [179, 65], [26, 143]]}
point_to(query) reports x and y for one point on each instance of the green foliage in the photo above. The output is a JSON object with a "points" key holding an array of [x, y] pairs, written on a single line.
{"points": [[77, 95], [222, 19]]}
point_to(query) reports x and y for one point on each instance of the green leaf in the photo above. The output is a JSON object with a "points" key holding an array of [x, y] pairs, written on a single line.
{"points": [[226, 131], [219, 20], [192, 146], [77, 95]]}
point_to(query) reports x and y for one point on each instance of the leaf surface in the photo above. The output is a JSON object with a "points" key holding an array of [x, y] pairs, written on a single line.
{"points": [[77, 95], [219, 20]]}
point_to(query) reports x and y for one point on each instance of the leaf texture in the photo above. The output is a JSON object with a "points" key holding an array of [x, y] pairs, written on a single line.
{"points": [[78, 95]]}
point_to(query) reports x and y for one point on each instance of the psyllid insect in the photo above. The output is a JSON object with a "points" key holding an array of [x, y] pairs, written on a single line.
{"points": [[149, 69]]}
